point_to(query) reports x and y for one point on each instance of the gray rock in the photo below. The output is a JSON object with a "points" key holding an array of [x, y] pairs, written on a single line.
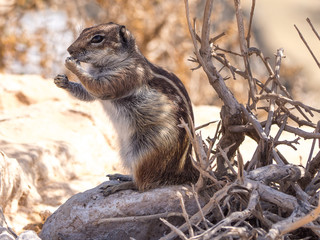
{"points": [[46, 139], [28, 235], [90, 215], [5, 234]]}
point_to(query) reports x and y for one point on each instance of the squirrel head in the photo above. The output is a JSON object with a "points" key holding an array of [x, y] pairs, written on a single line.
{"points": [[103, 45]]}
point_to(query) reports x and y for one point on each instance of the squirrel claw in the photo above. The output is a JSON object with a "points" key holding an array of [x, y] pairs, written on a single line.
{"points": [[61, 81], [120, 177], [70, 59], [71, 63]]}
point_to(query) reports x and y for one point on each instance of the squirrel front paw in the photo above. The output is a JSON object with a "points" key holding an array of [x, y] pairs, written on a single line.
{"points": [[61, 81], [71, 63]]}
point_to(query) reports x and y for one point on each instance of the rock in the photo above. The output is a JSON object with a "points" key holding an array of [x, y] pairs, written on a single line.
{"points": [[56, 146], [24, 90], [90, 215], [28, 235], [5, 234], [13, 183]]}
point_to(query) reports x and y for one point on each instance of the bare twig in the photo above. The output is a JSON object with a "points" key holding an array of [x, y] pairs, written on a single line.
{"points": [[288, 143], [240, 167], [293, 223], [185, 214], [244, 52], [314, 185], [283, 124], [313, 29], [194, 39], [276, 173], [305, 43], [255, 123], [235, 216], [301, 133], [314, 164], [269, 194], [224, 155], [250, 23], [195, 194], [212, 40], [276, 157], [196, 218], [312, 146], [259, 53], [205, 36], [274, 90], [205, 125], [226, 63], [217, 48], [200, 154], [290, 101], [204, 57], [140, 218], [175, 229]]}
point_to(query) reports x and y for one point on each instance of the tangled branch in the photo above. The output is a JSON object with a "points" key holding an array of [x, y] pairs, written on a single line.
{"points": [[266, 197]]}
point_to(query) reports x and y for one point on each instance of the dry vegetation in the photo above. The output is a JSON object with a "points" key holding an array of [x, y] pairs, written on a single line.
{"points": [[266, 198]]}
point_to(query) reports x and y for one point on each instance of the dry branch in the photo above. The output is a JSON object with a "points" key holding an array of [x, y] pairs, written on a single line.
{"points": [[255, 123], [185, 214], [174, 229], [196, 218], [233, 217], [290, 101], [276, 173], [309, 49], [244, 52], [301, 133], [250, 23], [313, 29], [204, 58], [292, 223], [140, 218]]}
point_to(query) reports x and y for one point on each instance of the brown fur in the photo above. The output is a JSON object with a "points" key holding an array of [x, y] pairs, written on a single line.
{"points": [[144, 101]]}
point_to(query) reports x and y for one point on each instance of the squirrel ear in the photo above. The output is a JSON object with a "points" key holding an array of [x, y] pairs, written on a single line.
{"points": [[124, 34]]}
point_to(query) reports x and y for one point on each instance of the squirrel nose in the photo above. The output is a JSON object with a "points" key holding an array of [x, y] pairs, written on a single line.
{"points": [[71, 50]]}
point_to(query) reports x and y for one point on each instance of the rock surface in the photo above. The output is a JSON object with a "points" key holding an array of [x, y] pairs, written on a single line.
{"points": [[56, 146], [28, 235], [5, 234], [90, 215]]}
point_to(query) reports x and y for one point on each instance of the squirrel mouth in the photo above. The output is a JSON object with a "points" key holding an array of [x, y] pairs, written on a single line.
{"points": [[80, 58]]}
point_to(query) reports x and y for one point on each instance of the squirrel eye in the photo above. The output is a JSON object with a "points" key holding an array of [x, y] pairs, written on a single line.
{"points": [[97, 39]]}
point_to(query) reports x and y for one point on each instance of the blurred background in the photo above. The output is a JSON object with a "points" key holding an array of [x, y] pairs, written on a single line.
{"points": [[36, 33]]}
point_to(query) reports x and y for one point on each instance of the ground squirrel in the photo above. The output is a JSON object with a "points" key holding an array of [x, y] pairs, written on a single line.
{"points": [[145, 104]]}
